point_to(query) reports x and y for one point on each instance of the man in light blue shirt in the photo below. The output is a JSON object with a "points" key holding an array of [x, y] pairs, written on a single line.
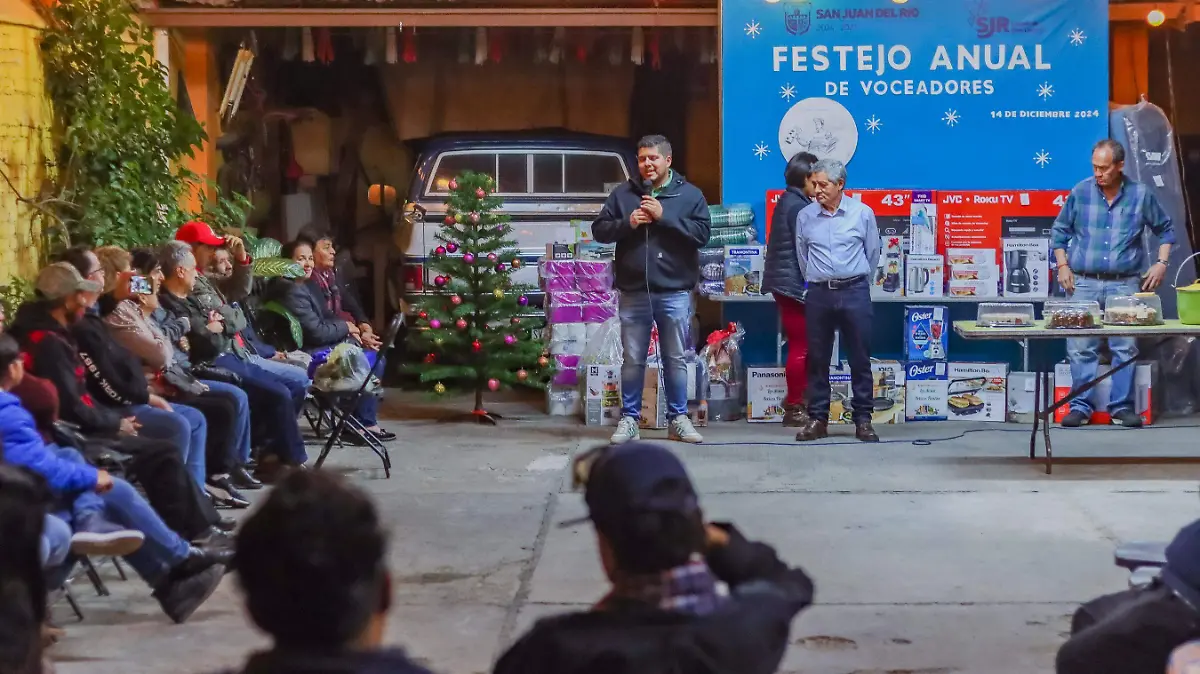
{"points": [[837, 247]]}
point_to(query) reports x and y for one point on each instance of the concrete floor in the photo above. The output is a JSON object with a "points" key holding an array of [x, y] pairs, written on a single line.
{"points": [[955, 556]]}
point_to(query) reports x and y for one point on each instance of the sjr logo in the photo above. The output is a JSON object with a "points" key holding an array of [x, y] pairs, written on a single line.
{"points": [[797, 17]]}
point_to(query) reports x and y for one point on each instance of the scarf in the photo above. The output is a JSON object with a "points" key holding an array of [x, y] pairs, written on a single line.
{"points": [[327, 279], [691, 589]]}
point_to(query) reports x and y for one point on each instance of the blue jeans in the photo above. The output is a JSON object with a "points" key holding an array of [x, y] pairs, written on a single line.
{"points": [[672, 312], [162, 549], [294, 378], [241, 430], [185, 427], [273, 408], [56, 542], [1082, 351]]}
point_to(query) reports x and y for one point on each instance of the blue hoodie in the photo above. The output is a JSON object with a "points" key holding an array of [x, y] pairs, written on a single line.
{"points": [[23, 446]]}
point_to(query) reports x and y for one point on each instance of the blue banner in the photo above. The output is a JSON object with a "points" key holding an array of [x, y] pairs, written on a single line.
{"points": [[913, 94]]}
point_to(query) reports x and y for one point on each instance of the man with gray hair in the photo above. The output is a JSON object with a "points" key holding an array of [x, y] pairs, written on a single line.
{"points": [[272, 407], [837, 247]]}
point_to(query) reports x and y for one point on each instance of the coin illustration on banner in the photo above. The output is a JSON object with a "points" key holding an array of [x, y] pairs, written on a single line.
{"points": [[821, 126]]}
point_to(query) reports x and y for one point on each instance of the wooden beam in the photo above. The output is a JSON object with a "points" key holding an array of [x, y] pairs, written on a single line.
{"points": [[569, 17], [1137, 11]]}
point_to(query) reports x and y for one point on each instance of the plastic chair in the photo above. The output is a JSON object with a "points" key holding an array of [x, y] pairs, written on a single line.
{"points": [[340, 406]]}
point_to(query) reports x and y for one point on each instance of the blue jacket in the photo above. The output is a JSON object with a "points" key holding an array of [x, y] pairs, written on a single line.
{"points": [[782, 269], [23, 446]]}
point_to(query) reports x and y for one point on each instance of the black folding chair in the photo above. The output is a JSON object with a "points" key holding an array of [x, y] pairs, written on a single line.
{"points": [[340, 406]]}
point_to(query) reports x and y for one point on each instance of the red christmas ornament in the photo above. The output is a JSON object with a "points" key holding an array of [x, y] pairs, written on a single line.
{"points": [[455, 300], [453, 184], [449, 220], [474, 217], [514, 320], [480, 193], [477, 345], [410, 45], [493, 384], [452, 247], [491, 257], [461, 324], [423, 315], [429, 358]]}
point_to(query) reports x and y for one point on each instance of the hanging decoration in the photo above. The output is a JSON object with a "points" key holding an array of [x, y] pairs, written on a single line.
{"points": [[637, 50], [583, 45], [324, 46], [308, 52], [614, 50], [655, 49], [410, 45], [481, 46], [465, 42], [556, 44], [496, 48], [291, 44], [540, 49]]}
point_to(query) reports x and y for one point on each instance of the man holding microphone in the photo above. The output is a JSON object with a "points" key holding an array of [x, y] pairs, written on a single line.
{"points": [[659, 222]]}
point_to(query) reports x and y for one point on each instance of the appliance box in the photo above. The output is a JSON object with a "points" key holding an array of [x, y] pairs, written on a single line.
{"points": [[974, 272], [839, 395], [602, 395], [925, 391], [923, 224], [889, 273], [766, 388], [744, 269], [977, 391], [926, 332], [972, 289], [1145, 377], [1026, 268], [957, 256], [888, 389], [924, 275]]}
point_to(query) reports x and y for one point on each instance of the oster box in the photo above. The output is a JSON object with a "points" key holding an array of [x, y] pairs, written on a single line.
{"points": [[926, 335], [980, 219]]}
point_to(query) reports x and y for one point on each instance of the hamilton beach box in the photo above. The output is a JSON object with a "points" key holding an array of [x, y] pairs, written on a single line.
{"points": [[978, 391], [766, 389]]}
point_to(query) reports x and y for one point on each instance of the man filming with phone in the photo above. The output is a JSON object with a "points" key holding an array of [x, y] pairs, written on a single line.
{"points": [[659, 222]]}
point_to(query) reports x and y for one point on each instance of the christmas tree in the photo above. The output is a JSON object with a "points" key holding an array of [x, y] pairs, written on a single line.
{"points": [[473, 330]]}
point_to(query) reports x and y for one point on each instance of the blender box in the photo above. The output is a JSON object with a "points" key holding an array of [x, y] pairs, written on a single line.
{"points": [[925, 384], [977, 391], [1026, 267], [602, 395], [922, 224], [888, 386], [925, 275], [888, 280], [766, 387], [744, 269], [926, 331]]}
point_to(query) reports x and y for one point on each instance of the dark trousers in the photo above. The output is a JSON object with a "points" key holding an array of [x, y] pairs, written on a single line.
{"points": [[271, 408], [169, 488], [1129, 632], [221, 415], [846, 309]]}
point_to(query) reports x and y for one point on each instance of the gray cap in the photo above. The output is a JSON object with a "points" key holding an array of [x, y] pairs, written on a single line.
{"points": [[61, 279]]}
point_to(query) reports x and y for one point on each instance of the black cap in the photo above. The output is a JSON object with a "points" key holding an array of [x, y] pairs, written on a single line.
{"points": [[633, 478]]}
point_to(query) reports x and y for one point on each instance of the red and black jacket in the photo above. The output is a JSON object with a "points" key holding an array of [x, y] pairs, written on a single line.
{"points": [[51, 352]]}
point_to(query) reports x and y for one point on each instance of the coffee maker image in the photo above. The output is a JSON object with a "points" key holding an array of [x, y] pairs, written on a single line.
{"points": [[1017, 280]]}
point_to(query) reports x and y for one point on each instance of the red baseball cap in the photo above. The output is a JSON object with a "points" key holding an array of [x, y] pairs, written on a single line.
{"points": [[195, 232]]}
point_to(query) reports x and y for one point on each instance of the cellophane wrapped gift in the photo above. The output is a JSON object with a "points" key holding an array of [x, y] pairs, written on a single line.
{"points": [[593, 276], [557, 275], [567, 371], [722, 358], [599, 307], [564, 306]]}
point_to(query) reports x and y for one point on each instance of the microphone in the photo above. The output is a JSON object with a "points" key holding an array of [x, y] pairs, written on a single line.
{"points": [[647, 187]]}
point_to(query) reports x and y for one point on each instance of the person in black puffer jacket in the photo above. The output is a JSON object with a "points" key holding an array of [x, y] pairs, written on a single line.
{"points": [[782, 278]]}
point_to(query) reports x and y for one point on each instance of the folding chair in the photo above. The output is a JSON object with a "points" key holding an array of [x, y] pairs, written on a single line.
{"points": [[340, 406]]}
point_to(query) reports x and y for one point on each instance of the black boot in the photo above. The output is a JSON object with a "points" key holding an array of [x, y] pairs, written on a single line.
{"points": [[184, 589]]}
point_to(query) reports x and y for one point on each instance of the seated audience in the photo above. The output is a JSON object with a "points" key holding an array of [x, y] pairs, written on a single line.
{"points": [[225, 406], [666, 611], [312, 564], [50, 351], [321, 329], [22, 585], [273, 407], [115, 379], [220, 269], [182, 576], [1135, 631], [223, 295], [335, 289]]}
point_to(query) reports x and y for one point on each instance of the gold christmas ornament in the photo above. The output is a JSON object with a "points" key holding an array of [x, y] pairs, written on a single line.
{"points": [[458, 218], [498, 293], [439, 388]]}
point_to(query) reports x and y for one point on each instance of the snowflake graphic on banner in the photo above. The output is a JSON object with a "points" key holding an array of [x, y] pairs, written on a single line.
{"points": [[1041, 159], [761, 150], [1045, 90], [951, 117], [788, 92], [874, 124], [753, 29], [1077, 38]]}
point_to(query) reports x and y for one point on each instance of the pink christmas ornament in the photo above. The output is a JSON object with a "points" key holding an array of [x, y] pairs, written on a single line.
{"points": [[452, 247], [491, 257], [461, 324], [469, 258], [510, 340], [453, 184], [479, 193], [493, 384], [474, 218], [456, 300], [440, 250], [435, 324]]}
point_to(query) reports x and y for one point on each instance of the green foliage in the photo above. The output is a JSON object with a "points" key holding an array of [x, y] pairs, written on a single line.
{"points": [[227, 213], [119, 179], [474, 226], [294, 328], [264, 247], [276, 267], [13, 294]]}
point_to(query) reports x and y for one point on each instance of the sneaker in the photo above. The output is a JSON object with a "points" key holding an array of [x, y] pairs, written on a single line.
{"points": [[179, 597], [224, 494], [95, 536], [1127, 418], [627, 429], [1076, 418], [681, 429]]}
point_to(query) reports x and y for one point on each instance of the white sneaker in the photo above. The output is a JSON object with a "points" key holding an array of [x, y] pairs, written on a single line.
{"points": [[627, 429], [681, 429]]}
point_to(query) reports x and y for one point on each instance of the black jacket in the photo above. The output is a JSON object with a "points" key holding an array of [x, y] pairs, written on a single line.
{"points": [[205, 345], [671, 245], [748, 635], [114, 374], [389, 661], [51, 353], [306, 303], [782, 269]]}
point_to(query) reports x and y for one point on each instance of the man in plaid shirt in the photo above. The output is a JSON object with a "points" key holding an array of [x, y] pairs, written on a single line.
{"points": [[1097, 244]]}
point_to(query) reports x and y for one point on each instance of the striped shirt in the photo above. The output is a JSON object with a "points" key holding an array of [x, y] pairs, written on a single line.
{"points": [[1104, 238]]}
